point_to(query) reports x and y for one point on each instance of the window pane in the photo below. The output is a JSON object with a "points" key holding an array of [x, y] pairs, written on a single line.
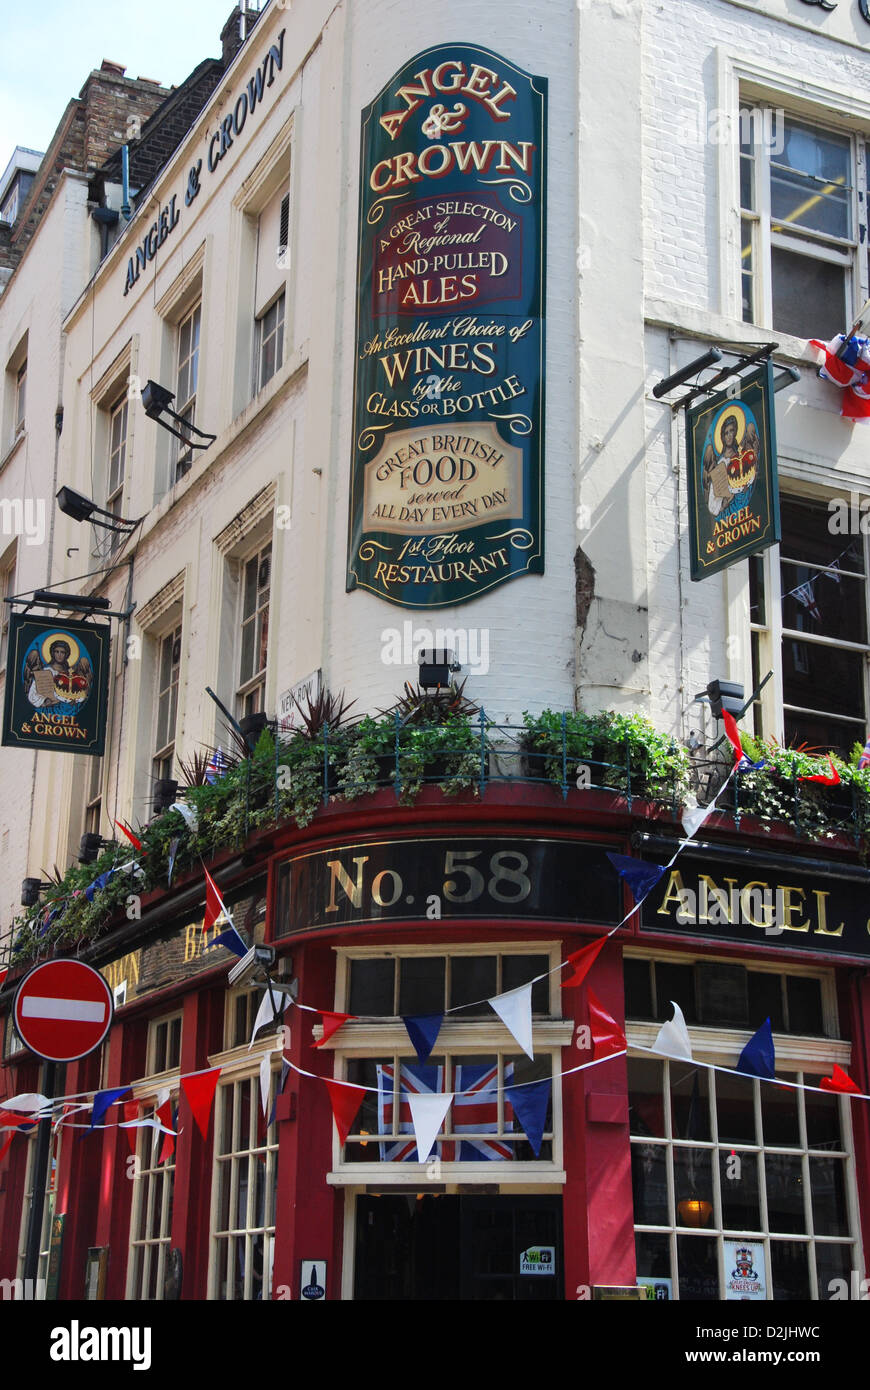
{"points": [[779, 1115], [834, 1262], [518, 970], [810, 181], [646, 1110], [472, 979], [638, 992], [697, 1260], [804, 1005], [785, 1193], [747, 270], [371, 988], [735, 1108], [828, 1187], [421, 985], [690, 1102], [765, 999], [649, 1184], [675, 982], [809, 295], [823, 678], [738, 1174], [823, 1119], [789, 1261], [827, 604], [653, 1254], [693, 1187]]}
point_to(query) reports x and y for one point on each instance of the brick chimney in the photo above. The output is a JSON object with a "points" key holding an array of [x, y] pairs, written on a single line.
{"points": [[230, 34]]}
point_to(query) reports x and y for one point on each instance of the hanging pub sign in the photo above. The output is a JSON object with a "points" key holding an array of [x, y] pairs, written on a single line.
{"points": [[57, 685], [446, 493], [731, 471]]}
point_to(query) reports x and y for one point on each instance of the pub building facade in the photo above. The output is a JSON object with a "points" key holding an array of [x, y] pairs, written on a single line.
{"points": [[343, 274]]}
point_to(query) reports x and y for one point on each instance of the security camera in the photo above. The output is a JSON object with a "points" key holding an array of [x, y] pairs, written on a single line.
{"points": [[259, 959]]}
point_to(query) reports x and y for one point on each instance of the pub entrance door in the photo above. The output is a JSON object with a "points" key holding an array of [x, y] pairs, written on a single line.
{"points": [[435, 1246]]}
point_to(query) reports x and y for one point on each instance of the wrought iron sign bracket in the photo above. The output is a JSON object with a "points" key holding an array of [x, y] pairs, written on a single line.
{"points": [[706, 388]]}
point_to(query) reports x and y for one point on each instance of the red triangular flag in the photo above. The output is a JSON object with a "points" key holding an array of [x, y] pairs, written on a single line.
{"points": [[732, 734], [331, 1024], [832, 781], [164, 1114], [137, 844], [131, 1112], [607, 1036], [839, 1081], [10, 1120], [214, 906], [200, 1090], [346, 1101], [6, 1145], [582, 962]]}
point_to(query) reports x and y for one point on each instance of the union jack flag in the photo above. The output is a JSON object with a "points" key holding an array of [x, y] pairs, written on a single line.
{"points": [[474, 1111], [217, 766]]}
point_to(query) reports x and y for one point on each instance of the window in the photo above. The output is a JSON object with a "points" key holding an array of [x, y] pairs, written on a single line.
{"points": [[151, 1215], [800, 189], [475, 1058], [254, 632], [15, 395], [187, 373], [117, 461], [809, 624], [20, 396], [243, 1191], [93, 795], [717, 1158], [164, 1044], [7, 589], [168, 664], [47, 1212], [273, 231], [270, 343]]}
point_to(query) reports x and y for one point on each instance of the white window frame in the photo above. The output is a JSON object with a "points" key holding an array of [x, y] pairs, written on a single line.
{"points": [[743, 82], [462, 1036], [116, 463], [8, 566], [278, 304], [771, 634], [153, 1188], [166, 752], [186, 375], [251, 692], [240, 1068], [48, 1206]]}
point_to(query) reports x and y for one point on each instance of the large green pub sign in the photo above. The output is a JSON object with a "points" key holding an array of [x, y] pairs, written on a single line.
{"points": [[57, 685], [446, 496], [731, 472]]}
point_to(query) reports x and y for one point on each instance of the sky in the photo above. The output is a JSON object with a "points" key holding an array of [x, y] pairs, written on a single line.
{"points": [[48, 47]]}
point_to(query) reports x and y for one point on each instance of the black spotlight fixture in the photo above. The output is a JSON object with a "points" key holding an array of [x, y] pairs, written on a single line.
{"points": [[81, 508], [725, 696], [30, 891], [164, 795], [90, 845], [252, 726], [436, 665], [157, 402]]}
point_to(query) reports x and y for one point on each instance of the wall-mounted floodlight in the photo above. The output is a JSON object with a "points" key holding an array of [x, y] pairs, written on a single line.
{"points": [[156, 402], [82, 508], [90, 845], [436, 665], [252, 726], [30, 891]]}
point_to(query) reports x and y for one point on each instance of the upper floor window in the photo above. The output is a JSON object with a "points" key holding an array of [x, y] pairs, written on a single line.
{"points": [[15, 395], [801, 188], [168, 666], [20, 396], [117, 461], [187, 373], [254, 631], [270, 342], [7, 589], [93, 795], [273, 231], [809, 624]]}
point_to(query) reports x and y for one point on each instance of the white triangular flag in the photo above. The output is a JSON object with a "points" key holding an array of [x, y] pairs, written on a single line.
{"points": [[189, 813], [148, 1123], [515, 1011], [673, 1037], [28, 1103], [427, 1114], [267, 1011], [265, 1080], [694, 816]]}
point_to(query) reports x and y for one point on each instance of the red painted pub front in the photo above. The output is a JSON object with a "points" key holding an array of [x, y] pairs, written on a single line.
{"points": [[675, 1177]]}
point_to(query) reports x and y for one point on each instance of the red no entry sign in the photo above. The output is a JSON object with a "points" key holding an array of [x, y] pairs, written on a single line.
{"points": [[63, 1010]]}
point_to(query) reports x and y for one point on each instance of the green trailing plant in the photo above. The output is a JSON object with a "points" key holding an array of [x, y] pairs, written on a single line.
{"points": [[623, 752]]}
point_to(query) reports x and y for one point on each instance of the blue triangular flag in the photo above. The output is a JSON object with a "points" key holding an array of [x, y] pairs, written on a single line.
{"points": [[102, 1101], [530, 1107], [91, 890], [757, 1057], [423, 1031], [231, 939], [639, 876]]}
